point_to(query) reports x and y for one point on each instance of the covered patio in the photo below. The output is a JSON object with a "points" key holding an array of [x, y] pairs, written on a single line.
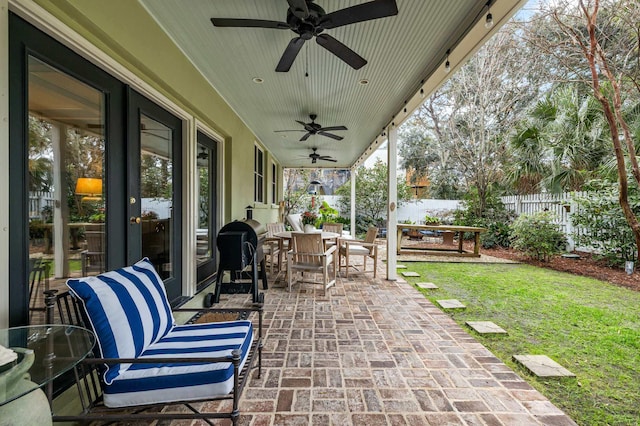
{"points": [[370, 351], [377, 352]]}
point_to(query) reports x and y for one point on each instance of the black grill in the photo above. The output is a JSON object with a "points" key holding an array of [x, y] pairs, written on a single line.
{"points": [[240, 246]]}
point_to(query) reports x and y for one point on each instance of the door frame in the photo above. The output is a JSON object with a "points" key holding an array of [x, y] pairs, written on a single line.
{"points": [[24, 41], [205, 273]]}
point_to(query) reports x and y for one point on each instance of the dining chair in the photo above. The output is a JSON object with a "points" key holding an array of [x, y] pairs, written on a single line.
{"points": [[332, 227], [308, 254], [274, 247], [92, 259], [366, 248]]}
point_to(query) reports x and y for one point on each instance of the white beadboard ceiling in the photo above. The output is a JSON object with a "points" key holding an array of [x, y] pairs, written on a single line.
{"points": [[404, 53]]}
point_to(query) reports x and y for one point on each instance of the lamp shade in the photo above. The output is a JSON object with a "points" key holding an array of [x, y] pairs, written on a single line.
{"points": [[89, 186], [314, 186]]}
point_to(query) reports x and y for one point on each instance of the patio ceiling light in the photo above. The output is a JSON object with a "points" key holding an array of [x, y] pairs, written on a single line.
{"points": [[488, 23], [447, 64]]}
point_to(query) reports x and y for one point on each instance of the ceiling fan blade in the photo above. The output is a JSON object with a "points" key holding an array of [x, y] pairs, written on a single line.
{"points": [[352, 59], [249, 23], [327, 158], [333, 128], [290, 54], [305, 137], [299, 8], [331, 135], [359, 13]]}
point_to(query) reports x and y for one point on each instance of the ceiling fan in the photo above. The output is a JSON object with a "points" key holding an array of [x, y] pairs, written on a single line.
{"points": [[309, 20], [314, 128], [315, 157]]}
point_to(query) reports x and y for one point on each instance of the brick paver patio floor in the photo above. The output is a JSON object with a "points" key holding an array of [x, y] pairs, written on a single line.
{"points": [[375, 352]]}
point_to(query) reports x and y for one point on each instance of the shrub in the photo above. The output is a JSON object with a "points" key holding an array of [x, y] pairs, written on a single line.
{"points": [[498, 235], [600, 223], [327, 213], [495, 217], [537, 236]]}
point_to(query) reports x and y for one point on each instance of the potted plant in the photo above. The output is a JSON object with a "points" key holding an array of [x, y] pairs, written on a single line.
{"points": [[309, 220], [431, 220]]}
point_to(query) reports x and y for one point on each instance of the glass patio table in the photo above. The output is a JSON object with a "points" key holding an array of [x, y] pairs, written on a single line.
{"points": [[45, 352]]}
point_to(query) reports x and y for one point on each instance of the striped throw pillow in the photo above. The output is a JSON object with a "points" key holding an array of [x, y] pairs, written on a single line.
{"points": [[128, 310]]}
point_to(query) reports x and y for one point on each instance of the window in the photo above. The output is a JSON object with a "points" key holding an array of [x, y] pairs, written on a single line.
{"points": [[274, 184], [258, 173]]}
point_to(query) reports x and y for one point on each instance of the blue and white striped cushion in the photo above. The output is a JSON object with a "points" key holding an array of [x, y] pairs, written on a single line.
{"points": [[128, 309], [159, 383]]}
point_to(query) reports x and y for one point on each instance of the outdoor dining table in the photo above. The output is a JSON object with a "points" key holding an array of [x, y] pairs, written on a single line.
{"points": [[286, 235], [444, 228]]}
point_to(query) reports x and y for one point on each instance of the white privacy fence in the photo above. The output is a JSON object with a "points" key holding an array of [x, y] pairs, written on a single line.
{"points": [[560, 204]]}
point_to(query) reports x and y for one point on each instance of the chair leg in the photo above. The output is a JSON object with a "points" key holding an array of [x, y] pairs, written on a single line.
{"points": [[347, 264], [375, 264], [289, 271]]}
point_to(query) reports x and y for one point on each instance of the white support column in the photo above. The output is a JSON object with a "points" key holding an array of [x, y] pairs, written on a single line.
{"points": [[354, 176], [60, 231], [392, 207], [190, 205]]}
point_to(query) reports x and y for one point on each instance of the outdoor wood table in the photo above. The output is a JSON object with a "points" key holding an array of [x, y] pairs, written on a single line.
{"points": [[325, 235], [444, 228]]}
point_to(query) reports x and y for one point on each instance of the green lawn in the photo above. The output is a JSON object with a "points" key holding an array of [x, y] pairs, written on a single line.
{"points": [[588, 326]]}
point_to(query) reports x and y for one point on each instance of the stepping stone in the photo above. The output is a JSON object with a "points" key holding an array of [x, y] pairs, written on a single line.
{"points": [[401, 266], [542, 366], [486, 327], [429, 286], [410, 274], [451, 304]]}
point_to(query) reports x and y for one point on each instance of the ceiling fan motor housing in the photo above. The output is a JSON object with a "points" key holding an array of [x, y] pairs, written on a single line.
{"points": [[309, 27]]}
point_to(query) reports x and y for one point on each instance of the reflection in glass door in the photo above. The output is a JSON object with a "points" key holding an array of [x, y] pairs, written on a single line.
{"points": [[156, 194], [66, 190], [155, 197]]}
